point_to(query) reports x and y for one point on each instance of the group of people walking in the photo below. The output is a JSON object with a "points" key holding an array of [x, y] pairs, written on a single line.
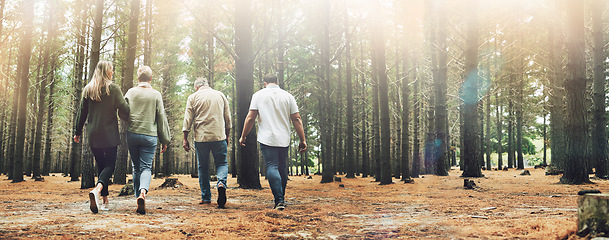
{"points": [[207, 113]]}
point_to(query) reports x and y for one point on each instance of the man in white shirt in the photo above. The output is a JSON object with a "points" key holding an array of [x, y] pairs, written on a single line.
{"points": [[275, 108], [208, 110]]}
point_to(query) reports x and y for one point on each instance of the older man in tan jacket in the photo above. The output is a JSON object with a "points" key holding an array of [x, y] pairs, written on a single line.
{"points": [[208, 110]]}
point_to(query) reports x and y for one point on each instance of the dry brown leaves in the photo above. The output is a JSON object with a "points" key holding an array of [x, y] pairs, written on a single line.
{"points": [[505, 205]]}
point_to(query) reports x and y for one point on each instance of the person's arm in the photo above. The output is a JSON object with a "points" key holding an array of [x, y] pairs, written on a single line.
{"points": [[188, 116], [162, 124], [250, 119], [227, 119], [122, 105], [82, 118], [297, 122], [185, 143]]}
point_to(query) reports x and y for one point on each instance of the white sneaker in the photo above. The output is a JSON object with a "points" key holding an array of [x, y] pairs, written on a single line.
{"points": [[93, 201], [105, 207]]}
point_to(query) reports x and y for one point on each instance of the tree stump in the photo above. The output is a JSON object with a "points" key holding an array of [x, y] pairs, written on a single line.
{"points": [[172, 183], [593, 215], [127, 190]]}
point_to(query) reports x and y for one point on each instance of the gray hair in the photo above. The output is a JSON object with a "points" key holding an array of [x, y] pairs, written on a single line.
{"points": [[144, 74], [200, 82]]}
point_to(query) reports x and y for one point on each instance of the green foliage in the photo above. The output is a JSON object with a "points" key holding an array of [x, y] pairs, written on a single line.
{"points": [[528, 148]]}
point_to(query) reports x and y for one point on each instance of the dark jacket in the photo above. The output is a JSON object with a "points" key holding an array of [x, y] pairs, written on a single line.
{"points": [[102, 127]]}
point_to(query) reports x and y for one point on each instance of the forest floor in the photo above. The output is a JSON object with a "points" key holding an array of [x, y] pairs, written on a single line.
{"points": [[505, 205]]}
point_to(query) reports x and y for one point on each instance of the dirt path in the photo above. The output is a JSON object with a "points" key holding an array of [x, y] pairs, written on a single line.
{"points": [[505, 206]]}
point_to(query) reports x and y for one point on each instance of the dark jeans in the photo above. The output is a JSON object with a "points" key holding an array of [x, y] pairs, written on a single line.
{"points": [[105, 159], [276, 169], [218, 150]]}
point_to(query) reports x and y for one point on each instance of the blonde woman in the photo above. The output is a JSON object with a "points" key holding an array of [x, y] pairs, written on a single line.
{"points": [[99, 104]]}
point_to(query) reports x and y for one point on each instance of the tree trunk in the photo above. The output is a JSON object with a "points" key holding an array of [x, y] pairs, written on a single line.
{"points": [[324, 97], [576, 170], [379, 69], [441, 143], [557, 102], [88, 172], [599, 134], [499, 133], [416, 146], [13, 130], [511, 152], [248, 177], [376, 128], [46, 166], [4, 106], [23, 70], [120, 173], [592, 215], [470, 96], [8, 143], [88, 168], [76, 148], [350, 161], [148, 34], [487, 136], [46, 75], [519, 109], [364, 133], [405, 77]]}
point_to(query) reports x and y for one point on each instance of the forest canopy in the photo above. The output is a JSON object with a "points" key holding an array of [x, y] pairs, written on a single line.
{"points": [[390, 89]]}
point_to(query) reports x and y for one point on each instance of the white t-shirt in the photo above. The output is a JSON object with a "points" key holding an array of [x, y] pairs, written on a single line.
{"points": [[274, 106]]}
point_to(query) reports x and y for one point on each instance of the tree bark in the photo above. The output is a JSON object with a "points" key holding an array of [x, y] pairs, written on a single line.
{"points": [[350, 161], [88, 171], [470, 96], [248, 177], [46, 72], [324, 98], [148, 34], [416, 146], [557, 107], [379, 69], [519, 108], [499, 133], [511, 152], [120, 173], [23, 70], [576, 170], [441, 143], [364, 133], [599, 134], [46, 166], [405, 77], [75, 150]]}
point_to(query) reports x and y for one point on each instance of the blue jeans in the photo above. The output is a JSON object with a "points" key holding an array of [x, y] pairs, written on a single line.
{"points": [[276, 169], [218, 150], [105, 159], [142, 149]]}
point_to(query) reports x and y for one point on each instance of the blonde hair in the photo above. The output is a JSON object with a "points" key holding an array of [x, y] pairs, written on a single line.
{"points": [[144, 74], [101, 78]]}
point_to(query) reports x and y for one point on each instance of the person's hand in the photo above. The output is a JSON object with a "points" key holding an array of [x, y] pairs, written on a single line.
{"points": [[242, 141], [76, 139], [227, 141], [186, 145], [302, 146], [164, 148]]}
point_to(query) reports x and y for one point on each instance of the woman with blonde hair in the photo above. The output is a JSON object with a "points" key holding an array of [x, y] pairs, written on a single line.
{"points": [[101, 99]]}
